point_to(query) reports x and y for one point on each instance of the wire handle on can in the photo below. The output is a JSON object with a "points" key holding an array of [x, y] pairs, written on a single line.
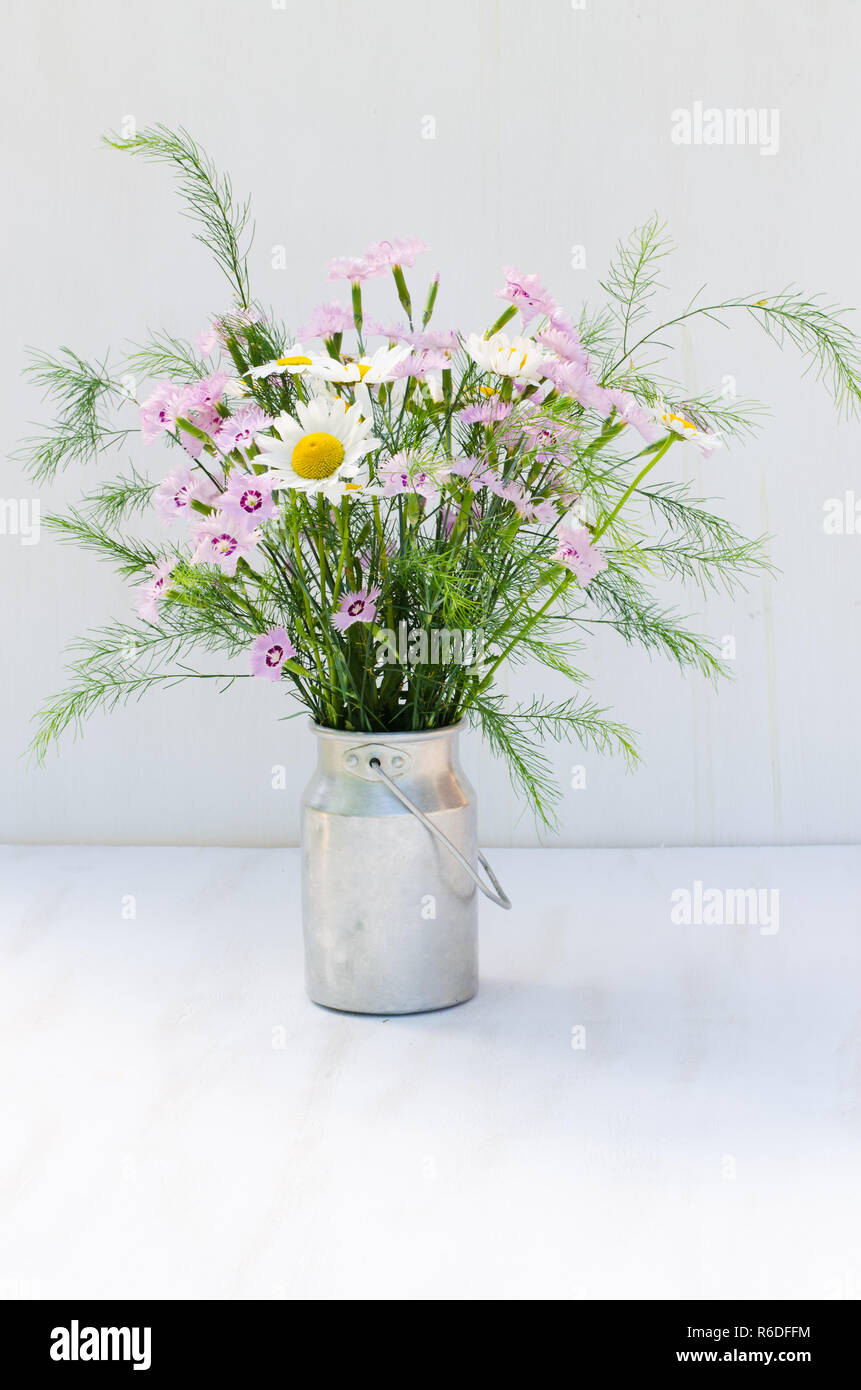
{"points": [[499, 897]]}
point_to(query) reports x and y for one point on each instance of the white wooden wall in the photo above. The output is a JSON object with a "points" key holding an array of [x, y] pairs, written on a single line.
{"points": [[551, 129]]}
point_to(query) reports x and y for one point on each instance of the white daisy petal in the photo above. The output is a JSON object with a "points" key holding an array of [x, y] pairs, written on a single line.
{"points": [[320, 448], [520, 358]]}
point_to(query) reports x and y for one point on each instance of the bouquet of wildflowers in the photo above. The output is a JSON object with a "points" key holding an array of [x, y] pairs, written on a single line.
{"points": [[377, 515]]}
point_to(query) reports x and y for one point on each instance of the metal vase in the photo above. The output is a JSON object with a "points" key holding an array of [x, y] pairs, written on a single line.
{"points": [[390, 914]]}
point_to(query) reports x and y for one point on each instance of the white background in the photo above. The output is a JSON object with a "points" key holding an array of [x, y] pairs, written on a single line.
{"points": [[552, 130]]}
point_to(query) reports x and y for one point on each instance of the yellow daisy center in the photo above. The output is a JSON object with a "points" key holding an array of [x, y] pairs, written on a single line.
{"points": [[364, 368], [680, 419], [294, 361], [317, 455]]}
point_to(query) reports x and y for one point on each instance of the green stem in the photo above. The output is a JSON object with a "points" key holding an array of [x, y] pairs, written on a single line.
{"points": [[670, 439], [325, 680], [431, 300], [563, 584], [518, 636], [503, 319], [384, 563], [403, 292], [356, 296]]}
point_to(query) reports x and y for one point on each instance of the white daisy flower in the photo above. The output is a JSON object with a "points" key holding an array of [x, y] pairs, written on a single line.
{"points": [[705, 440], [297, 361], [370, 370], [235, 389], [516, 357], [433, 382], [363, 372], [320, 451]]}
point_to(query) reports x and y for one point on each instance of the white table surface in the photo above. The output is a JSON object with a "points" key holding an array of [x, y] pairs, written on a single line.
{"points": [[179, 1121]]}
